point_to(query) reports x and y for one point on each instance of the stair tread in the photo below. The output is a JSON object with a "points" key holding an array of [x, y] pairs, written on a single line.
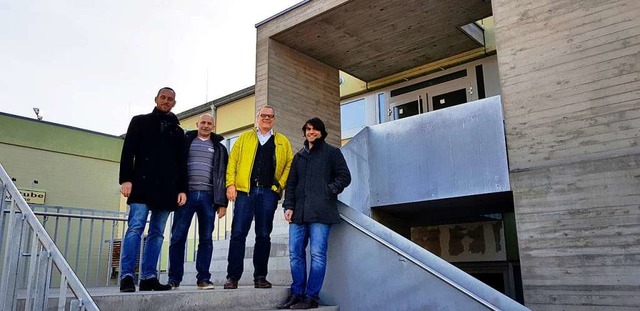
{"points": [[189, 297]]}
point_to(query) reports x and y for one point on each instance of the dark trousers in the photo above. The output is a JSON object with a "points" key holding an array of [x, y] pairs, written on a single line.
{"points": [[260, 203]]}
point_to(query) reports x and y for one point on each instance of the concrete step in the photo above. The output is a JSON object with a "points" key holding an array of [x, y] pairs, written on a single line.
{"points": [[279, 271], [185, 298], [188, 298]]}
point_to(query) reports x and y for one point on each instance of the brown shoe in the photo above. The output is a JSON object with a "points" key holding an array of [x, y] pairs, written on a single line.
{"points": [[231, 284], [261, 283]]}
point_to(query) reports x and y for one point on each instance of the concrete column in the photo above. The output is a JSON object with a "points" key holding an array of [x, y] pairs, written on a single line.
{"points": [[299, 87]]}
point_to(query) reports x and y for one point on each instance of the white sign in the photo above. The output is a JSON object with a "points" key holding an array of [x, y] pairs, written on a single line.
{"points": [[31, 196]]}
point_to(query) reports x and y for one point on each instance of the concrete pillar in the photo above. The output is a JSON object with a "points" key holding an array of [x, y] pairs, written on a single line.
{"points": [[300, 88]]}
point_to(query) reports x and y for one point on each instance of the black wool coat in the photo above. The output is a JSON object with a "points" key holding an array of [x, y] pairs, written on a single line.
{"points": [[316, 178], [219, 165], [153, 160]]}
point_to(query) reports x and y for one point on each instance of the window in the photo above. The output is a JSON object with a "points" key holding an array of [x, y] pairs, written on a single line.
{"points": [[229, 143], [352, 115], [381, 108]]}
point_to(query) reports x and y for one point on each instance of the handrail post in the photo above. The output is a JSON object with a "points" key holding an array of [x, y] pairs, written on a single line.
{"points": [[3, 188]]}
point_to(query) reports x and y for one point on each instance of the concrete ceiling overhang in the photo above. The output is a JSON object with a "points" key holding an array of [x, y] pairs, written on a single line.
{"points": [[372, 39]]}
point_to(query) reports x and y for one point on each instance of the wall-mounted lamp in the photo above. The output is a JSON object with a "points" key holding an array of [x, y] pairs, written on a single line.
{"points": [[38, 115]]}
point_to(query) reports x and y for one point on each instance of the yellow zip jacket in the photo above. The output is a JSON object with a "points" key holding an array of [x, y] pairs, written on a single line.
{"points": [[243, 154]]}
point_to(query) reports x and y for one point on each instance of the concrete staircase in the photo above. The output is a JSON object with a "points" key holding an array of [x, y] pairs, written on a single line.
{"points": [[279, 272], [187, 297]]}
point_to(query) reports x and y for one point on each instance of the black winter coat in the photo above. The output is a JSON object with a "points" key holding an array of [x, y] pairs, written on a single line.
{"points": [[153, 160], [219, 164], [316, 178]]}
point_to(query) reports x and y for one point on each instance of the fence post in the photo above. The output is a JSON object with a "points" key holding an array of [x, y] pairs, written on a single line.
{"points": [[11, 260], [41, 295]]}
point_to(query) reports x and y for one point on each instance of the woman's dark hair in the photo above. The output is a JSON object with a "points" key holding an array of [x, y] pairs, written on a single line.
{"points": [[318, 125]]}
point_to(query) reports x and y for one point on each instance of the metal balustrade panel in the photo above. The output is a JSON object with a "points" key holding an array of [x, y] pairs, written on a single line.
{"points": [[454, 152]]}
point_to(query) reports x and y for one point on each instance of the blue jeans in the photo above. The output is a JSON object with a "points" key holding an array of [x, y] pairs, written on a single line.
{"points": [[260, 203], [137, 221], [200, 203], [316, 235]]}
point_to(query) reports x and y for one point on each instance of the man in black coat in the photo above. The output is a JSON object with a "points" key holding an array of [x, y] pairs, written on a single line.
{"points": [[153, 179], [318, 174], [207, 162]]}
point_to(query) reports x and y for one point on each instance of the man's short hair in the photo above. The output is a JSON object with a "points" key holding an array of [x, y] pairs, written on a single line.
{"points": [[318, 125], [266, 107], [166, 88]]}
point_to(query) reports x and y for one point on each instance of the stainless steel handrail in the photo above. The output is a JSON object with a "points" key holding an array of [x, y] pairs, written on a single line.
{"points": [[40, 266]]}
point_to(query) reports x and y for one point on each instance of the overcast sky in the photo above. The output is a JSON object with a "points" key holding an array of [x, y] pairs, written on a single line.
{"points": [[95, 64]]}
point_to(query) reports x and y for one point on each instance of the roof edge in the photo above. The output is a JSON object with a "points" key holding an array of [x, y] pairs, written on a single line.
{"points": [[217, 102], [58, 125], [295, 6]]}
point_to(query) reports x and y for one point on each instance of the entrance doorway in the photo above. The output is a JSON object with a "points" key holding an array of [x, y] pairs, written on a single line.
{"points": [[431, 98]]}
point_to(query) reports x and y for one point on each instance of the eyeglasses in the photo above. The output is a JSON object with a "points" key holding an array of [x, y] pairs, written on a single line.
{"points": [[267, 116]]}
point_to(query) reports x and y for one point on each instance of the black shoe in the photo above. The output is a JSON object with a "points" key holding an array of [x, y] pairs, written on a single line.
{"points": [[261, 283], [174, 285], [292, 300], [153, 284], [127, 285], [306, 303], [231, 284]]}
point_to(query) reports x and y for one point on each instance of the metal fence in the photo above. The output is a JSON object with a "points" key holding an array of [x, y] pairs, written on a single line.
{"points": [[30, 256], [90, 240], [82, 244]]}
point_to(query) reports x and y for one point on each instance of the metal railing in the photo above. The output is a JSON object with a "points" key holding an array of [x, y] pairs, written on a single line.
{"points": [[28, 249], [90, 240]]}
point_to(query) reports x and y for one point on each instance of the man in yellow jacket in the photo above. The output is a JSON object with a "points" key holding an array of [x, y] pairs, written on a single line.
{"points": [[257, 172]]}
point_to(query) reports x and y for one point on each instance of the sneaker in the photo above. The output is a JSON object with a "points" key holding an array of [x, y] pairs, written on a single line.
{"points": [[307, 303], [174, 285], [127, 285], [153, 284], [292, 300], [205, 285]]}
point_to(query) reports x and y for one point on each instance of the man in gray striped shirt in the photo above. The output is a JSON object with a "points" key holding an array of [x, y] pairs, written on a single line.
{"points": [[207, 166]]}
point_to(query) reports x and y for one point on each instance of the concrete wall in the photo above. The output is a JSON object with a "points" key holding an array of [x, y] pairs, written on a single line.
{"points": [[570, 79]]}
